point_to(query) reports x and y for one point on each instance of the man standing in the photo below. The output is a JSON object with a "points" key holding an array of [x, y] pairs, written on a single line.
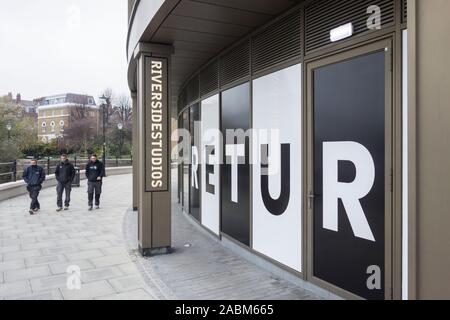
{"points": [[64, 173], [95, 171], [34, 176]]}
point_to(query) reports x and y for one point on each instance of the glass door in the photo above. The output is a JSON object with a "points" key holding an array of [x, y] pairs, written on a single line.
{"points": [[350, 171]]}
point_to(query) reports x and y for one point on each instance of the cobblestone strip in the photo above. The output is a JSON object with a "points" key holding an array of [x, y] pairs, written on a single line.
{"points": [[158, 288]]}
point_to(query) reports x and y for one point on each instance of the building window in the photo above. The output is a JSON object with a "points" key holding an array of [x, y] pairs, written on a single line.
{"points": [[276, 194], [194, 203], [236, 115], [210, 164], [44, 124]]}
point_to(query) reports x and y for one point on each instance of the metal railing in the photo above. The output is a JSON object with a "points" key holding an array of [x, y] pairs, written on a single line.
{"points": [[8, 171], [12, 171]]}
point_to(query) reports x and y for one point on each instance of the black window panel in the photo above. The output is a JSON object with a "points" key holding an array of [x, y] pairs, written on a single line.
{"points": [[186, 172], [349, 105], [194, 207], [235, 217]]}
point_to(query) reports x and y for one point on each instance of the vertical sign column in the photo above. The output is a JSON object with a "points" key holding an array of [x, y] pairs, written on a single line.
{"points": [[154, 134], [157, 128]]}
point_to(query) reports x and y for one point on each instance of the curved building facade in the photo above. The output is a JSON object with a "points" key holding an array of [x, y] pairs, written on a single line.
{"points": [[305, 137]]}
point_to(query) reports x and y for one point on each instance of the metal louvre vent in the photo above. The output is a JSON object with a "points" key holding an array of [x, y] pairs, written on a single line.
{"points": [[404, 11], [209, 79], [192, 91], [322, 17], [279, 42], [235, 65]]}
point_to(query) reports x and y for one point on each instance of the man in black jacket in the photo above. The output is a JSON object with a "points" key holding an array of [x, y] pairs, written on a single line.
{"points": [[34, 176], [64, 173], [95, 171]]}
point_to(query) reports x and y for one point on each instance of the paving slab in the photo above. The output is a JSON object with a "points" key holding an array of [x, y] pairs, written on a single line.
{"points": [[78, 255], [14, 289], [205, 270], [139, 294], [27, 273], [60, 268], [50, 295], [36, 252], [89, 291]]}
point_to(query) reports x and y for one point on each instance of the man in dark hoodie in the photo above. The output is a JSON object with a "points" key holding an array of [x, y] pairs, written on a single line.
{"points": [[34, 176], [64, 173], [95, 171]]}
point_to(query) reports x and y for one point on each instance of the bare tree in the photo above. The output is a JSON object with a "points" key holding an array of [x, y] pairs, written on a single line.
{"points": [[81, 133], [83, 127], [123, 109], [79, 112], [109, 95]]}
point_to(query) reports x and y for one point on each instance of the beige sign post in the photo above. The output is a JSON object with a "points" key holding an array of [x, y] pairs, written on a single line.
{"points": [[153, 148]]}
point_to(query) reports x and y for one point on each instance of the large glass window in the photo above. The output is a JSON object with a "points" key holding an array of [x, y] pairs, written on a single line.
{"points": [[186, 174], [180, 164], [349, 132], [277, 169], [236, 169], [195, 162], [211, 160]]}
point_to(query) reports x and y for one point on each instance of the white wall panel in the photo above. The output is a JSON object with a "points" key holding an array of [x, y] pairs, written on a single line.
{"points": [[210, 199], [277, 105]]}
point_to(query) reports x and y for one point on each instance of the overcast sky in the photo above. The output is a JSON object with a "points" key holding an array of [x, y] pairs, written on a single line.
{"points": [[55, 46]]}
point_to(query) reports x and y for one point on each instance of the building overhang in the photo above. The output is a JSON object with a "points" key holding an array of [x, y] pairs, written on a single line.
{"points": [[197, 30]]}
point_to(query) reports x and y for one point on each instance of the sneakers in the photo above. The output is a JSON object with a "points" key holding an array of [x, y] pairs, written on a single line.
{"points": [[31, 212], [97, 207], [66, 208], [59, 209], [90, 208]]}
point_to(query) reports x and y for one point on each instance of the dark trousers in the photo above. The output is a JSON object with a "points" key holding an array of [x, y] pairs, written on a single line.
{"points": [[34, 193], [94, 188], [60, 189]]}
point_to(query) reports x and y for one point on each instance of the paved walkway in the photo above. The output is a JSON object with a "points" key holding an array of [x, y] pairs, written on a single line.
{"points": [[35, 251], [202, 269]]}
